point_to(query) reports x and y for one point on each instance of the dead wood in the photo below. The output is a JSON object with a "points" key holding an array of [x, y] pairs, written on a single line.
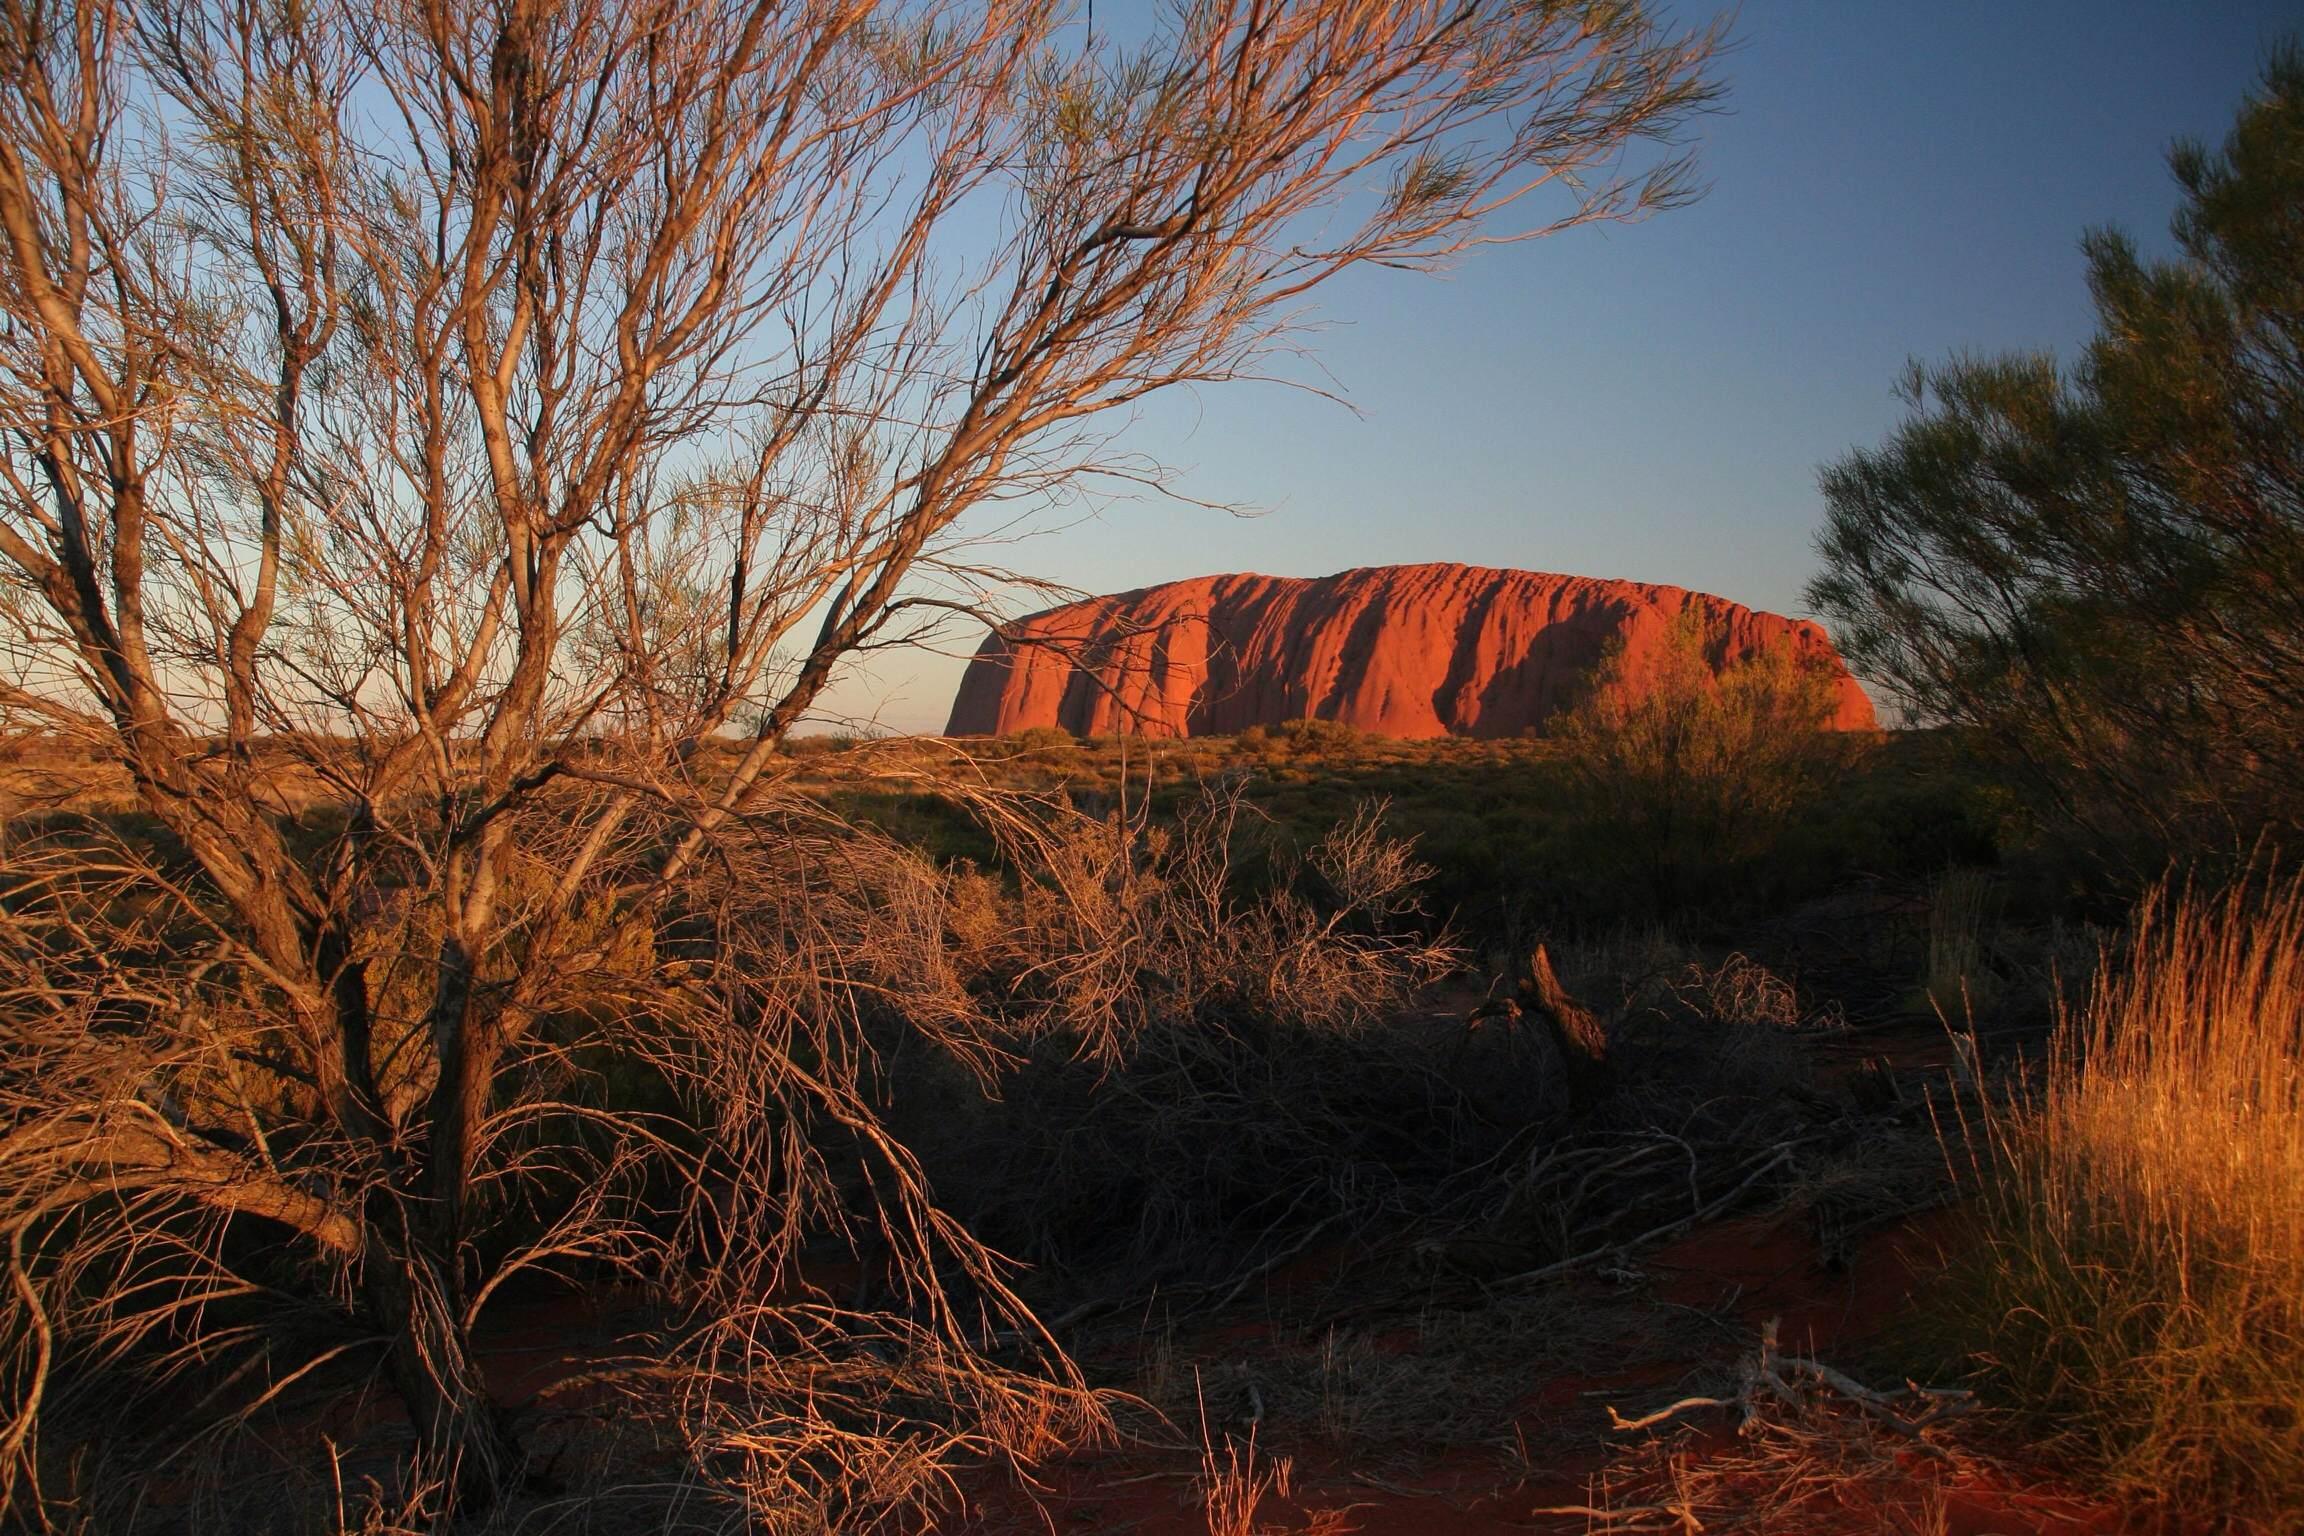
{"points": [[1577, 1031]]}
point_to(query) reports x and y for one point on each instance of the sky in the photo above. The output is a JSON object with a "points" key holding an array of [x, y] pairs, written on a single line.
{"points": [[1888, 180]]}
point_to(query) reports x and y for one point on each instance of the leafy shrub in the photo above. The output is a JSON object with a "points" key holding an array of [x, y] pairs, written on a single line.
{"points": [[2101, 570], [1682, 776], [1320, 738]]}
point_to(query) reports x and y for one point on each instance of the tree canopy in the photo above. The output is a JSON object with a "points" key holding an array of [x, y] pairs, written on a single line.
{"points": [[2099, 568]]}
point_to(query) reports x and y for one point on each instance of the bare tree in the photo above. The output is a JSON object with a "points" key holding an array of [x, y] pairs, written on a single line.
{"points": [[433, 427]]}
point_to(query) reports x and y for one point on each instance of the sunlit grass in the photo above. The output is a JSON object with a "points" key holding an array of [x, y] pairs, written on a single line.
{"points": [[2143, 1281]]}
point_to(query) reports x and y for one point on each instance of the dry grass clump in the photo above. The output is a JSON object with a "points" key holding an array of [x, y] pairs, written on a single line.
{"points": [[793, 1442], [2142, 1290], [1196, 1069], [1123, 924], [1234, 1484]]}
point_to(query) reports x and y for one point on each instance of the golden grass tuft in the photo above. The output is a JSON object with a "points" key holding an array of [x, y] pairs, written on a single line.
{"points": [[2142, 1284], [1234, 1485]]}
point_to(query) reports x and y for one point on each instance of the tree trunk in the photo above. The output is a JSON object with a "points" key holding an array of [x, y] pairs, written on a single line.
{"points": [[464, 1452]]}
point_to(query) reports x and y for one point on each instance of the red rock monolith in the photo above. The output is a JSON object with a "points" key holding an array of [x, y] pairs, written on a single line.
{"points": [[1398, 650]]}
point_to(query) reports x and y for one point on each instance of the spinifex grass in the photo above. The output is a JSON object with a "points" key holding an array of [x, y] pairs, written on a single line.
{"points": [[2142, 1285]]}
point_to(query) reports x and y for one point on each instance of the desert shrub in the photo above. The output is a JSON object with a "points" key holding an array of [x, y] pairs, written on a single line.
{"points": [[2100, 570], [1195, 1065], [2140, 1286], [1906, 805], [1711, 1044], [1682, 778], [693, 1127], [1962, 913], [1310, 737], [1123, 923]]}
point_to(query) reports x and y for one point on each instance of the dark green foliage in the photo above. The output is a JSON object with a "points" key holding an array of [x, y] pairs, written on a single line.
{"points": [[1687, 780], [1518, 841], [2101, 568], [1319, 738], [1517, 838]]}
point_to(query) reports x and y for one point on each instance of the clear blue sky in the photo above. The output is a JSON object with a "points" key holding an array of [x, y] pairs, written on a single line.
{"points": [[1889, 179]]}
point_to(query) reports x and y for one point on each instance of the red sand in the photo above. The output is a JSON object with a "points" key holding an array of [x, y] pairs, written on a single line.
{"points": [[1770, 1266]]}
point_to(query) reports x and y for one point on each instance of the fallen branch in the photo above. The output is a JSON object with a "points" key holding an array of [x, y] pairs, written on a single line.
{"points": [[1685, 1405], [1809, 1459], [1767, 1371], [1943, 1402]]}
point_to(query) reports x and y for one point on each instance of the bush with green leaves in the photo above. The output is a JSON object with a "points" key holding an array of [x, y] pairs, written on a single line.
{"points": [[1686, 775], [2100, 568]]}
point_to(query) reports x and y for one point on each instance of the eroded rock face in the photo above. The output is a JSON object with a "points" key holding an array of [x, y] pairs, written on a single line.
{"points": [[1400, 650]]}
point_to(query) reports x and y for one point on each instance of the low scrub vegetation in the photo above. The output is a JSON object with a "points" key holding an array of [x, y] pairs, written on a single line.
{"points": [[1191, 1063], [1523, 836], [1688, 776]]}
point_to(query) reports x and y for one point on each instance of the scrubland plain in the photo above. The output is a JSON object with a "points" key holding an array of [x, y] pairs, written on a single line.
{"points": [[466, 1064], [1287, 1151]]}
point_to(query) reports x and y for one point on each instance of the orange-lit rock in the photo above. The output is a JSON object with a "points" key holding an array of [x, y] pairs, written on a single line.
{"points": [[1401, 650]]}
